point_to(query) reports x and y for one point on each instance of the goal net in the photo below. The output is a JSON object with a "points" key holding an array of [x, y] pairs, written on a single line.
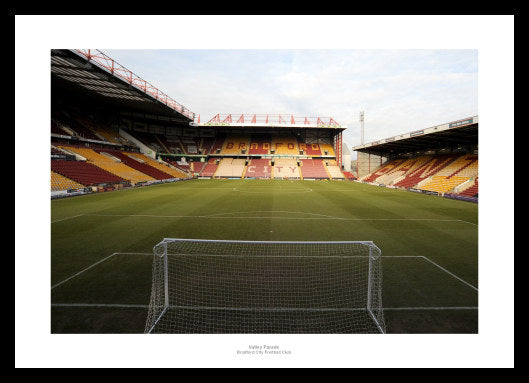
{"points": [[210, 286]]}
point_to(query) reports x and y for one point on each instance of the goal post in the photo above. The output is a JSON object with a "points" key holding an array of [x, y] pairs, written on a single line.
{"points": [[225, 286]]}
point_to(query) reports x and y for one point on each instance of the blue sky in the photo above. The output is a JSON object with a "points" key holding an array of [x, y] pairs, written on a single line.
{"points": [[398, 90]]}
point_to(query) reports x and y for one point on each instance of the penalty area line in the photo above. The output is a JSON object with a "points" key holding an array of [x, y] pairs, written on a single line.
{"points": [[95, 264]]}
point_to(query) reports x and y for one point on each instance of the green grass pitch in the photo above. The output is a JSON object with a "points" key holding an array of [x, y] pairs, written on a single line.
{"points": [[101, 245]]}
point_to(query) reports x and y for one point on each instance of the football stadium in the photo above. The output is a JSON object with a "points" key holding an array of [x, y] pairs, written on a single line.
{"points": [[163, 221]]}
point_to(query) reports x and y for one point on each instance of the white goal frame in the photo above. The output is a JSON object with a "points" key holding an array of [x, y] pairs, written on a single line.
{"points": [[369, 301]]}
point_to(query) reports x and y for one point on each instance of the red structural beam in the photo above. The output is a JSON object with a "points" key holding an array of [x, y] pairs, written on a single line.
{"points": [[118, 70], [279, 119]]}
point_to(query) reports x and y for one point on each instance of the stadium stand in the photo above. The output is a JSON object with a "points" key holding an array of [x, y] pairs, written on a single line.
{"points": [[285, 145], [418, 169], [231, 168], [349, 176], [111, 164], [471, 190], [327, 150], [260, 144], [385, 169], [149, 140], [197, 167], [236, 144], [59, 182], [451, 175], [190, 144], [312, 149], [440, 173], [55, 128], [138, 164], [334, 170], [219, 143], [82, 129], [313, 168], [175, 173], [210, 168], [286, 168], [205, 145], [258, 169], [83, 172]]}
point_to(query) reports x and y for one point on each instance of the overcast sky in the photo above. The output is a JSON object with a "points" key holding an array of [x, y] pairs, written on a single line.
{"points": [[398, 90]]}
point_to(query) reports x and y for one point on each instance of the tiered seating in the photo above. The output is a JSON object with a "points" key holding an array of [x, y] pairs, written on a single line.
{"points": [[139, 166], [217, 146], [84, 131], [150, 140], [197, 167], [424, 167], [312, 149], [190, 144], [169, 144], [231, 167], [175, 173], [334, 170], [210, 168], [327, 150], [56, 129], [258, 169], [349, 175], [286, 168], [387, 168], [59, 182], [472, 191], [469, 168], [449, 176], [110, 165], [184, 166], [55, 151], [443, 184], [313, 168], [260, 144], [83, 172], [206, 144], [285, 145], [236, 144], [109, 134]]}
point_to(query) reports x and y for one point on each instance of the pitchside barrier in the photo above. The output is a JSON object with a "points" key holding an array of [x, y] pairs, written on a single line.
{"points": [[210, 286]]}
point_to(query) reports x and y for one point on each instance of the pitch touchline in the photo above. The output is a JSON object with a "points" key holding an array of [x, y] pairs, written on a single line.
{"points": [[63, 219]]}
